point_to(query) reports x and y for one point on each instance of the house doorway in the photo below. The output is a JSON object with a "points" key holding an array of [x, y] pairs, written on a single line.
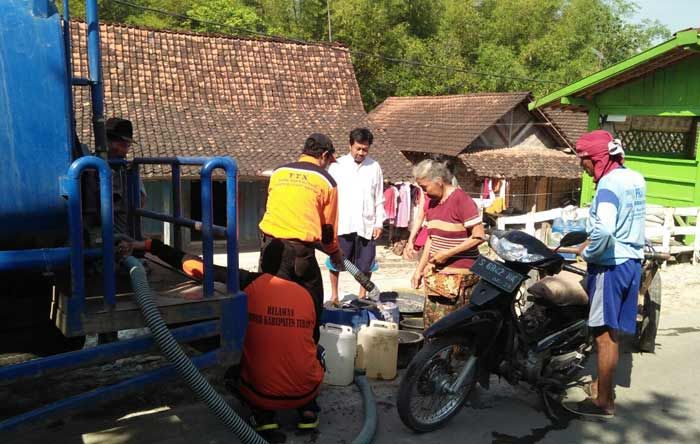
{"points": [[252, 197]]}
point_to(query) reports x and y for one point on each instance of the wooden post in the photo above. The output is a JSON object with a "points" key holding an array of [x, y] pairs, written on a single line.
{"points": [[696, 241], [668, 227], [545, 230], [530, 223], [541, 193]]}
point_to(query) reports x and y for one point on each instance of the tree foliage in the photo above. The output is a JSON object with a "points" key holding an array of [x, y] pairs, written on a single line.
{"points": [[420, 47], [224, 16]]}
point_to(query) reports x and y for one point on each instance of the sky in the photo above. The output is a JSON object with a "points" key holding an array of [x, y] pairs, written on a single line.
{"points": [[675, 14]]}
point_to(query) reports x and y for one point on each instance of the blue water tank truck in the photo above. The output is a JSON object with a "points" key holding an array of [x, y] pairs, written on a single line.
{"points": [[59, 280]]}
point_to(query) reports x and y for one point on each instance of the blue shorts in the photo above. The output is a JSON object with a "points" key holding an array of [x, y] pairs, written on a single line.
{"points": [[358, 250], [613, 292]]}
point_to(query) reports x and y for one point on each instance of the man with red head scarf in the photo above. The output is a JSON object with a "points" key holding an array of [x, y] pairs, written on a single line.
{"points": [[614, 253]]}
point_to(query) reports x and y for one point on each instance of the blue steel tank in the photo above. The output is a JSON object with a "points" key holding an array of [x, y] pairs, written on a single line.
{"points": [[36, 135]]}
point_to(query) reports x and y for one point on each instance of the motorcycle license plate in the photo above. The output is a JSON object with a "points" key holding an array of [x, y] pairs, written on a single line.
{"points": [[497, 274]]}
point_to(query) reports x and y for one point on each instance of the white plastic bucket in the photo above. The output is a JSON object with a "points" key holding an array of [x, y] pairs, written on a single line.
{"points": [[340, 346]]}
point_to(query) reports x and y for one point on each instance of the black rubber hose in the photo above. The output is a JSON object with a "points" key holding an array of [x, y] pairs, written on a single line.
{"points": [[369, 427], [185, 368], [362, 279]]}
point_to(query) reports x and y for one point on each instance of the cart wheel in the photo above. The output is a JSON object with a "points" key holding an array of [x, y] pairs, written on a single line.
{"points": [[651, 312]]}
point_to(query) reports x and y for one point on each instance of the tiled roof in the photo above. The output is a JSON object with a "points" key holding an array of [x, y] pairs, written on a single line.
{"points": [[522, 162], [442, 124], [571, 124], [255, 100]]}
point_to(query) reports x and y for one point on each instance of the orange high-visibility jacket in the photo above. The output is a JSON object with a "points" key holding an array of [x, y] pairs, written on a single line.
{"points": [[302, 204], [279, 369]]}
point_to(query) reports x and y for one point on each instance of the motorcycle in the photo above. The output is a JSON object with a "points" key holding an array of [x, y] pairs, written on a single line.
{"points": [[501, 331]]}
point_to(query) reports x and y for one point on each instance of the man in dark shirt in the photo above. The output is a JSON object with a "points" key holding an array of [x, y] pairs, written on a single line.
{"points": [[120, 137]]}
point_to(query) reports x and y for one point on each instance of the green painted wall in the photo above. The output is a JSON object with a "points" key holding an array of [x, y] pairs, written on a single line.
{"points": [[671, 91]]}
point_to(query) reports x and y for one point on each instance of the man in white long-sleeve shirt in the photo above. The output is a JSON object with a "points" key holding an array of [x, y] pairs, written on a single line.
{"points": [[360, 205]]}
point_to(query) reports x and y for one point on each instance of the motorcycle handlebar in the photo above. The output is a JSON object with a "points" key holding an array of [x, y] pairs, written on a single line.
{"points": [[574, 270], [657, 256], [647, 255]]}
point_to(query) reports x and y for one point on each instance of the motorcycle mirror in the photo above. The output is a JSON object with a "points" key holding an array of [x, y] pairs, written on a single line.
{"points": [[573, 238]]}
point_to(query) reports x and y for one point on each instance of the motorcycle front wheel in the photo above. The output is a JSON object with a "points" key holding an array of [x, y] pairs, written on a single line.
{"points": [[437, 383]]}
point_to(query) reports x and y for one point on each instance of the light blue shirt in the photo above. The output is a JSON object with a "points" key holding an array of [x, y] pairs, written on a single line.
{"points": [[616, 221]]}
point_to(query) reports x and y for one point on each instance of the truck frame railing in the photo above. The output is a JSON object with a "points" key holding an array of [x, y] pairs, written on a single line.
{"points": [[234, 309], [207, 227], [73, 191], [233, 318]]}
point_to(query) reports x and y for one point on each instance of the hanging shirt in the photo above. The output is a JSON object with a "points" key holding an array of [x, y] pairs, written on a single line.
{"points": [[403, 214], [487, 194], [390, 203], [360, 195], [502, 189], [486, 188]]}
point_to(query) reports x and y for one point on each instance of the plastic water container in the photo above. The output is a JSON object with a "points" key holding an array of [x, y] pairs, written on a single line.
{"points": [[562, 226], [390, 312], [378, 349], [352, 317], [340, 345]]}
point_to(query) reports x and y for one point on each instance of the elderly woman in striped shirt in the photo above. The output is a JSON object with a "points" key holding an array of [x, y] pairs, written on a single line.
{"points": [[455, 232]]}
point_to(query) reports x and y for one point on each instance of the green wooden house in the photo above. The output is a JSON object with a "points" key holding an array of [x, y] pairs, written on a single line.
{"points": [[652, 102]]}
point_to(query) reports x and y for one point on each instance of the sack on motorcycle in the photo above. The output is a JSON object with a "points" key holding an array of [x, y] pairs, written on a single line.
{"points": [[562, 289]]}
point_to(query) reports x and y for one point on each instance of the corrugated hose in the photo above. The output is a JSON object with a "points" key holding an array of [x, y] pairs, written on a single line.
{"points": [[183, 365], [362, 279], [369, 425]]}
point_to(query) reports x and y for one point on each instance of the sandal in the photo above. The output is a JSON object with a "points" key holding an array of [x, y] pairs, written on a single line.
{"points": [[308, 421], [271, 433], [588, 389], [588, 408], [331, 304]]}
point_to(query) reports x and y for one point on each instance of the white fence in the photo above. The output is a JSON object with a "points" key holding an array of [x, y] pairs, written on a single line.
{"points": [[663, 224]]}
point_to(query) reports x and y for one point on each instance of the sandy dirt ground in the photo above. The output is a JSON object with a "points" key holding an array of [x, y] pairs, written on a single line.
{"points": [[656, 395]]}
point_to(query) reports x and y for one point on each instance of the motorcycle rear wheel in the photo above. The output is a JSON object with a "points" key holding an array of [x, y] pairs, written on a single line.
{"points": [[427, 399]]}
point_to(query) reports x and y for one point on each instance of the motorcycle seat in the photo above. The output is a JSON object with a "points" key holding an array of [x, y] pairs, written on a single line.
{"points": [[562, 289]]}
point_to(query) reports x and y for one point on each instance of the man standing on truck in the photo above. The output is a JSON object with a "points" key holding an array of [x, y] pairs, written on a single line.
{"points": [[120, 137], [614, 255], [301, 215]]}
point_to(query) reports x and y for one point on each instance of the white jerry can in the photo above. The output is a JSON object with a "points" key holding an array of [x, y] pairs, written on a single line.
{"points": [[340, 345], [378, 349]]}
